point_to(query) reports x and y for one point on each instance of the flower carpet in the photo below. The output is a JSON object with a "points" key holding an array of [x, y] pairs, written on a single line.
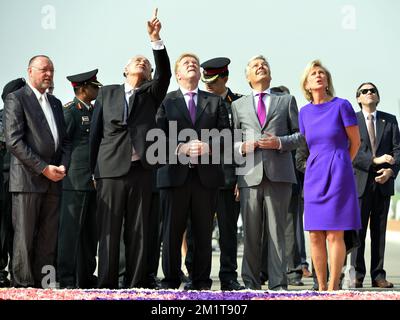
{"points": [[145, 294]]}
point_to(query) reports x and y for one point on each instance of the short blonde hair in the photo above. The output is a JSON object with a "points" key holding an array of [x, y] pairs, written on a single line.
{"points": [[184, 55], [314, 64]]}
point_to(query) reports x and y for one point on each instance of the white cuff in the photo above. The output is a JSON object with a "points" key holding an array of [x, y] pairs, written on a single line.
{"points": [[157, 45], [177, 148], [240, 149]]}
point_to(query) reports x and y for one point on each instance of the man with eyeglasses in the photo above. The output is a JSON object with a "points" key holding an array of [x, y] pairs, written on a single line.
{"points": [[376, 166], [36, 137]]}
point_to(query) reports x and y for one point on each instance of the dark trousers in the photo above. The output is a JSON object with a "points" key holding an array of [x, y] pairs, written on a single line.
{"points": [[177, 203], [153, 241], [374, 209], [77, 239], [35, 219], [292, 247], [154, 237], [127, 199], [227, 214], [6, 230], [301, 245]]}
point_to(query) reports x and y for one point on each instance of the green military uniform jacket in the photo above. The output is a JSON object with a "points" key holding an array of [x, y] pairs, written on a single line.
{"points": [[229, 169], [78, 118]]}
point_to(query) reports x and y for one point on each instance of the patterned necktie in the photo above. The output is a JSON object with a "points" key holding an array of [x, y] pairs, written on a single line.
{"points": [[192, 107], [261, 109], [371, 132]]}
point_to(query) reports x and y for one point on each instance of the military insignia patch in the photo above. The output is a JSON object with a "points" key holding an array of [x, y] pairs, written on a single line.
{"points": [[85, 120]]}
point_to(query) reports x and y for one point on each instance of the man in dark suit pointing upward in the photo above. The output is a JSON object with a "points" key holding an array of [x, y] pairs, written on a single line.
{"points": [[123, 116]]}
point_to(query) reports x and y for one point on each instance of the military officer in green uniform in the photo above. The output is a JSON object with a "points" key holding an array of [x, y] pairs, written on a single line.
{"points": [[215, 76], [77, 240]]}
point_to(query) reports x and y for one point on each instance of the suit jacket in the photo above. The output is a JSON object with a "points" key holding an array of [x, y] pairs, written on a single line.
{"points": [[31, 144], [211, 113], [77, 118], [111, 139], [282, 121], [230, 169], [387, 142]]}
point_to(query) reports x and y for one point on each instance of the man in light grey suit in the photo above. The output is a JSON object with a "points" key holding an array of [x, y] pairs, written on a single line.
{"points": [[269, 132]]}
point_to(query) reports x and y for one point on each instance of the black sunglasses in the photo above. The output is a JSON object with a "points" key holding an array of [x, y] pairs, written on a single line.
{"points": [[365, 91]]}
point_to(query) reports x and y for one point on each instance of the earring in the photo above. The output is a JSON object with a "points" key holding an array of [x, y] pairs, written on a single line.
{"points": [[327, 90]]}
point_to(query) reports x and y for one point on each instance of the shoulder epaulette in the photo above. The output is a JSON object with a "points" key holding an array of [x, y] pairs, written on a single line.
{"points": [[68, 104]]}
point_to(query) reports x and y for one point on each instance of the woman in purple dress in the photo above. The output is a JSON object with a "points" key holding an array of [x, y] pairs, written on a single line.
{"points": [[329, 125]]}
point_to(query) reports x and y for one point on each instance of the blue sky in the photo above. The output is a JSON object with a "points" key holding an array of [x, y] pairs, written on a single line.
{"points": [[356, 40]]}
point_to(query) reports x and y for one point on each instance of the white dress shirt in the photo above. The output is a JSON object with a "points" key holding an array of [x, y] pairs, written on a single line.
{"points": [[187, 97], [48, 112], [366, 118], [266, 99]]}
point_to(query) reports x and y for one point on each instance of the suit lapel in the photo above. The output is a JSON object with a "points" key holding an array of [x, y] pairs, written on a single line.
{"points": [[133, 97], [252, 113], [39, 111], [55, 115], [273, 102], [363, 128], [180, 104], [121, 102], [202, 101], [380, 126]]}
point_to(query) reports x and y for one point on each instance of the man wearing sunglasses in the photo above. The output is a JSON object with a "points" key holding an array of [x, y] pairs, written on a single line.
{"points": [[376, 166]]}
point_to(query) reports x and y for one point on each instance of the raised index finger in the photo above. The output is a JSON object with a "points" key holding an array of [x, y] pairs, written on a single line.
{"points": [[155, 13]]}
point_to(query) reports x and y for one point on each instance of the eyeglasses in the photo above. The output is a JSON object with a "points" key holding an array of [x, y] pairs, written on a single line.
{"points": [[365, 91]]}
